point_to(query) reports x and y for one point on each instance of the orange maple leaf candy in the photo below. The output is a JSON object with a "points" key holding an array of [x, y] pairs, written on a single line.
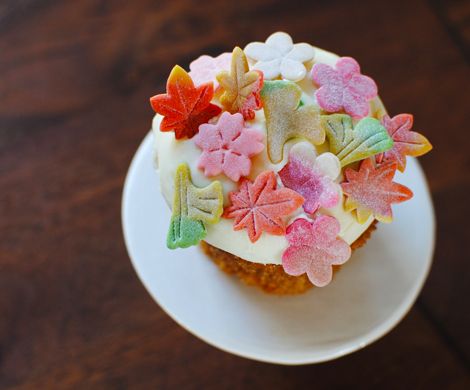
{"points": [[405, 141], [240, 88], [184, 106], [261, 206], [371, 191]]}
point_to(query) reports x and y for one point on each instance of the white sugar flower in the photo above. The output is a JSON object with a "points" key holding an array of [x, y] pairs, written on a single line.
{"points": [[280, 56]]}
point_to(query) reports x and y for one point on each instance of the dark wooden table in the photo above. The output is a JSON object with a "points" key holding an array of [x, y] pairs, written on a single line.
{"points": [[75, 77]]}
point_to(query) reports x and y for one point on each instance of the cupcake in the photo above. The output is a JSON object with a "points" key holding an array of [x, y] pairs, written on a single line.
{"points": [[278, 160]]}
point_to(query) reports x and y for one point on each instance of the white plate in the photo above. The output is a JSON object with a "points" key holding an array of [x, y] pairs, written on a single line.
{"points": [[366, 299]]}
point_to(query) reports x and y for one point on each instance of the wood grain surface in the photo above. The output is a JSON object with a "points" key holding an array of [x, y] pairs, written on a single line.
{"points": [[75, 77]]}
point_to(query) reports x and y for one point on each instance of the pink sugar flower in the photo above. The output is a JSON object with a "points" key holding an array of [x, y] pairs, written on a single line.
{"points": [[344, 88], [228, 146], [312, 176], [314, 247], [205, 68]]}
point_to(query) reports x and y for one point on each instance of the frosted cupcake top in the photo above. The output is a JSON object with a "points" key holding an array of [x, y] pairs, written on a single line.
{"points": [[280, 153]]}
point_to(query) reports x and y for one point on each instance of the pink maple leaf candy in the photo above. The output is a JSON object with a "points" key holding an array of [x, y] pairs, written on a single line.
{"points": [[312, 176], [405, 141], [205, 68], [371, 191], [260, 206], [228, 146], [344, 87], [314, 247]]}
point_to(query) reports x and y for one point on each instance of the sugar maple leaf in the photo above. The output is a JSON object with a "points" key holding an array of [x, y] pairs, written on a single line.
{"points": [[314, 247], [184, 106], [240, 88], [405, 141], [371, 191], [260, 206]]}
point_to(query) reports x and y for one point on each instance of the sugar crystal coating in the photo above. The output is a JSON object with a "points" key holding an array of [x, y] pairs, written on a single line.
{"points": [[192, 208], [279, 56], [184, 107], [371, 191], [285, 120], [261, 206], [228, 146], [405, 141], [240, 88], [344, 87], [349, 144], [314, 247], [205, 68], [312, 177]]}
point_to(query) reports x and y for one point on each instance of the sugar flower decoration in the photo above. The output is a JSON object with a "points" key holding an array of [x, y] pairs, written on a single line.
{"points": [[405, 141], [262, 207], [344, 87], [279, 56], [313, 177], [314, 247], [228, 146], [372, 191], [205, 68]]}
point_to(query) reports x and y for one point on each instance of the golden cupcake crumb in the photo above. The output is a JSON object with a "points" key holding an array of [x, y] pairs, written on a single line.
{"points": [[271, 278]]}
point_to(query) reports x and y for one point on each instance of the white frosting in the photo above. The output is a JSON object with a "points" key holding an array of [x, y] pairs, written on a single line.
{"points": [[269, 248]]}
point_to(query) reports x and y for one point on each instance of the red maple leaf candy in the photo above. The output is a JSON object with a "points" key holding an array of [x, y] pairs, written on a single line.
{"points": [[371, 191], [184, 106], [261, 206]]}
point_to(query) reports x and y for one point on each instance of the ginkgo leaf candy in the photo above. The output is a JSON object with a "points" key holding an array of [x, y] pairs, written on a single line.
{"points": [[366, 139], [192, 208], [285, 120]]}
